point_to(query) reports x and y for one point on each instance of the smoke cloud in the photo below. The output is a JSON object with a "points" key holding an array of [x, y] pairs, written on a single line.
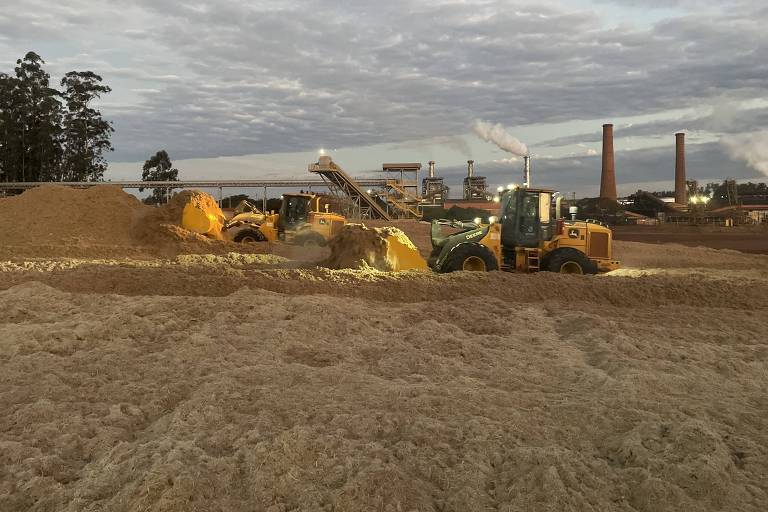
{"points": [[497, 134], [751, 148]]}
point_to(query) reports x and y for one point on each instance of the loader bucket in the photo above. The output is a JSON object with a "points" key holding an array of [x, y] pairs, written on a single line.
{"points": [[404, 255], [387, 249], [199, 221], [200, 214]]}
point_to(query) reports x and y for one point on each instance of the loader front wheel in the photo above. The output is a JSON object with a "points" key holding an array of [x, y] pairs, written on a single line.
{"points": [[569, 261], [249, 236], [470, 257]]}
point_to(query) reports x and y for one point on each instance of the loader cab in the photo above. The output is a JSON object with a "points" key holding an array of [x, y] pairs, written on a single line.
{"points": [[526, 217], [295, 210]]}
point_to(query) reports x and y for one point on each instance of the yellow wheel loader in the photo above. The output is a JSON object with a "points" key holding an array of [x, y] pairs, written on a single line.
{"points": [[243, 227], [528, 236], [298, 222]]}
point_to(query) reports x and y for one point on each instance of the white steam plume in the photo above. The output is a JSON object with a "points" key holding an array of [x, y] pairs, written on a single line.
{"points": [[752, 148], [497, 134]]}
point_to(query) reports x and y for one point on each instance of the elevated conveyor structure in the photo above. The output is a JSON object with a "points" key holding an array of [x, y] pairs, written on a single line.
{"points": [[363, 205], [402, 192], [402, 201]]}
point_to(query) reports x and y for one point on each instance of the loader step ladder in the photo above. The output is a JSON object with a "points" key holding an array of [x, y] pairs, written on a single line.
{"points": [[341, 184], [532, 260]]}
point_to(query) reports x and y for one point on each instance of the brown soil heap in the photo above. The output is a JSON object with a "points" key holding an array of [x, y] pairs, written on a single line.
{"points": [[230, 385], [101, 221], [56, 215]]}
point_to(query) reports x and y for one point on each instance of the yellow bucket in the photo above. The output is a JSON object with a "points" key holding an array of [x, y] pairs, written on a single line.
{"points": [[205, 223], [403, 257]]}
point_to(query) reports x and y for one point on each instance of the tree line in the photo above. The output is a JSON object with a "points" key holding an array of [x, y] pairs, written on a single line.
{"points": [[49, 134]]}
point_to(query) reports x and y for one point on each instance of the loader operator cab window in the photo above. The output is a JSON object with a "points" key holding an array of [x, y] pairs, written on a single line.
{"points": [[529, 214], [296, 210], [522, 216]]}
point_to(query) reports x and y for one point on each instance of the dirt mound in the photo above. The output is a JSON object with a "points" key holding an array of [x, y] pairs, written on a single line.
{"points": [[101, 221], [56, 215], [361, 247]]}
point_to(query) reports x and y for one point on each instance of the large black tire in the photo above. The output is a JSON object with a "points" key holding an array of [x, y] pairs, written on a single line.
{"points": [[248, 236], [569, 261], [470, 257], [310, 239]]}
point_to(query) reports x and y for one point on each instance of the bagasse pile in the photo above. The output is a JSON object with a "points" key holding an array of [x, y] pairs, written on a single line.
{"points": [[101, 221], [53, 215], [235, 383], [187, 387]]}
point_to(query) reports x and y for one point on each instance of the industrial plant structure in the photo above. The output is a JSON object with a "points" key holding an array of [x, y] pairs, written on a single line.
{"points": [[433, 189], [475, 187], [608, 176]]}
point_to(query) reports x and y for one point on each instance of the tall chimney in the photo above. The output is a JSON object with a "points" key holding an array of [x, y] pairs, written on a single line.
{"points": [[470, 168], [608, 177], [681, 193], [431, 168], [526, 171]]}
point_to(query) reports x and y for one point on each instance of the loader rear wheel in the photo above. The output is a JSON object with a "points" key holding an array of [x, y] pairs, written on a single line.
{"points": [[569, 261], [310, 239], [470, 257], [249, 236]]}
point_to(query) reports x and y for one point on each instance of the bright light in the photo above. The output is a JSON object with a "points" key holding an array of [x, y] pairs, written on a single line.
{"points": [[496, 199], [321, 151], [369, 191], [705, 199], [694, 199], [492, 219], [512, 186], [500, 189], [477, 220]]}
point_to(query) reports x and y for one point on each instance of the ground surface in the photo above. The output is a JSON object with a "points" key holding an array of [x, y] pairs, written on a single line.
{"points": [[249, 382], [750, 239], [233, 383]]}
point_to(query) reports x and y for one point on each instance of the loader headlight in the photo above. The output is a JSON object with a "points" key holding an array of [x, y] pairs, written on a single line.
{"points": [[492, 219], [496, 199], [477, 220]]}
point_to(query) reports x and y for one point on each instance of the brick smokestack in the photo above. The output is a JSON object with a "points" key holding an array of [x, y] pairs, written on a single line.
{"points": [[681, 192], [608, 177]]}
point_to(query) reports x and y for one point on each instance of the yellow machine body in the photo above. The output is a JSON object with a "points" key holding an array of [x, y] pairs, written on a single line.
{"points": [[318, 227], [201, 220], [528, 235], [404, 256], [594, 240]]}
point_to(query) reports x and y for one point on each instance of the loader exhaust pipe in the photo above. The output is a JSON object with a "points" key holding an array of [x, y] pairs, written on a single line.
{"points": [[527, 171]]}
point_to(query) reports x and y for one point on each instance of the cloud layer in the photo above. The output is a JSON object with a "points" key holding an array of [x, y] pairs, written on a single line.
{"points": [[235, 77]]}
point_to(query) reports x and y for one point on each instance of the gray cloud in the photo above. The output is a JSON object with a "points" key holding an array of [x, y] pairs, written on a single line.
{"points": [[235, 77], [725, 118]]}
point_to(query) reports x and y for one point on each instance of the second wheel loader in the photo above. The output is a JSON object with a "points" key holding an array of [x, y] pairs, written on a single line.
{"points": [[529, 235], [300, 221]]}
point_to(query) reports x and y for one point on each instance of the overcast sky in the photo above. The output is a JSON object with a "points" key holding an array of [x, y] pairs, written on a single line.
{"points": [[253, 88]]}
